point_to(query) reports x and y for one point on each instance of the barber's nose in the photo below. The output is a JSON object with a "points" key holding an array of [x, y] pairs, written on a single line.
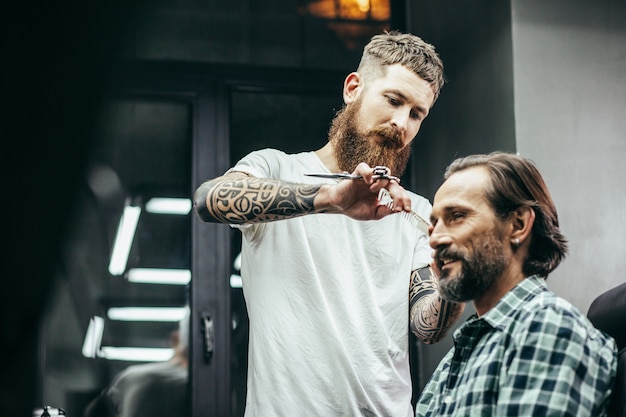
{"points": [[400, 120]]}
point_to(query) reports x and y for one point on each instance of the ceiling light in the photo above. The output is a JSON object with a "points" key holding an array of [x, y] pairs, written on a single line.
{"points": [[135, 354], [93, 337], [146, 313], [124, 239], [159, 276], [235, 281], [162, 205]]}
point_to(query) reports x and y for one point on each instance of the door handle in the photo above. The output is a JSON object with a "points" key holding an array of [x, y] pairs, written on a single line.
{"points": [[208, 336]]}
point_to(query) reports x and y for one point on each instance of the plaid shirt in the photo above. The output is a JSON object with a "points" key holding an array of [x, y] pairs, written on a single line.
{"points": [[533, 354]]}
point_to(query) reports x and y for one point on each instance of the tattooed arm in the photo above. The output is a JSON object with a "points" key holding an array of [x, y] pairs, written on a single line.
{"points": [[430, 315], [238, 198]]}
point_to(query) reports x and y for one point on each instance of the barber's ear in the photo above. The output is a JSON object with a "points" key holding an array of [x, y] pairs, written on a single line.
{"points": [[522, 221], [352, 87]]}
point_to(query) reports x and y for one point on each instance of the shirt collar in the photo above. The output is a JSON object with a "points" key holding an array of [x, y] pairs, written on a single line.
{"points": [[501, 315]]}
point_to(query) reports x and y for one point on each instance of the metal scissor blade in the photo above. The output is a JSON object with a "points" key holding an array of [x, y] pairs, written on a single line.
{"points": [[378, 175], [335, 175]]}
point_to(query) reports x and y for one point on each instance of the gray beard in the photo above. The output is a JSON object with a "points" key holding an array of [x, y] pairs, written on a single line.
{"points": [[478, 273]]}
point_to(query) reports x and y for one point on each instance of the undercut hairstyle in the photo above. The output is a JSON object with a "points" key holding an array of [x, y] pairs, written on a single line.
{"points": [[515, 182], [411, 51]]}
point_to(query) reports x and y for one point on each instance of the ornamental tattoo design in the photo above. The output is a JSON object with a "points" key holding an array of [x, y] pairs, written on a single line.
{"points": [[243, 199], [430, 315]]}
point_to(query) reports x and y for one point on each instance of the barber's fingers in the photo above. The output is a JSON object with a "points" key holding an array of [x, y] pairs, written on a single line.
{"points": [[396, 197], [381, 177], [365, 171]]}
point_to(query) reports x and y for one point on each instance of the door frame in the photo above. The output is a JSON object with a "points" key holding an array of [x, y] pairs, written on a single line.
{"points": [[207, 89]]}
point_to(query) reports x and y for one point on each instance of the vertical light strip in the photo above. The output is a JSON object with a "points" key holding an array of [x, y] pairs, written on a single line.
{"points": [[93, 337], [124, 239]]}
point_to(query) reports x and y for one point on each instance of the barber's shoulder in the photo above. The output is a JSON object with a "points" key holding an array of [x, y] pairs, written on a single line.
{"points": [[260, 163], [266, 153]]}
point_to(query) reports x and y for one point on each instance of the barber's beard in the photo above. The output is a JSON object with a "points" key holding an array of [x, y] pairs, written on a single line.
{"points": [[353, 147], [479, 271]]}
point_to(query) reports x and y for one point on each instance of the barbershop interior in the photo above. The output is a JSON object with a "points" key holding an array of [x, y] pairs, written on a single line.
{"points": [[114, 113]]}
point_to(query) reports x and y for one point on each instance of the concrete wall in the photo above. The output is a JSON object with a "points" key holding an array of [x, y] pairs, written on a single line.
{"points": [[569, 64]]}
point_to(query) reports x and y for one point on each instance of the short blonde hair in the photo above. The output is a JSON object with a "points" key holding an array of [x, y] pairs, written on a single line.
{"points": [[411, 51]]}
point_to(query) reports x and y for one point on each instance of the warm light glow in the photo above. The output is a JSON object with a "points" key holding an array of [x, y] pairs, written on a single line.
{"points": [[159, 276], [379, 10], [363, 5], [124, 239], [162, 205]]}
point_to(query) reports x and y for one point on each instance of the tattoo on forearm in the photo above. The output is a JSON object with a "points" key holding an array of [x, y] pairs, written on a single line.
{"points": [[244, 199], [430, 315]]}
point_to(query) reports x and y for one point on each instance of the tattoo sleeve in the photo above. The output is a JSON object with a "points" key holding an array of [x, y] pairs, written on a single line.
{"points": [[239, 198], [430, 315]]}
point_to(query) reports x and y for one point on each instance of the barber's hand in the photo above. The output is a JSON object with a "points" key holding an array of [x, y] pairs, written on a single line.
{"points": [[358, 199]]}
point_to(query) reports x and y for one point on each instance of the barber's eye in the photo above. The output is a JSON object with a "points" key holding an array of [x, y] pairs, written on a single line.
{"points": [[392, 100]]}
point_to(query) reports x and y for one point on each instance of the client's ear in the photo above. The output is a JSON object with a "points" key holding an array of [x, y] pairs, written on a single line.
{"points": [[522, 221]]}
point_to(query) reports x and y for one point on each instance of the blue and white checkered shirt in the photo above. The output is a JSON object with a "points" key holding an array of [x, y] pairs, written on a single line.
{"points": [[533, 354]]}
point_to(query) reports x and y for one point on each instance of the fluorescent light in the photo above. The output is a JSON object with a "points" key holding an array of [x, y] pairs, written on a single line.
{"points": [[124, 239], [135, 354], [237, 262], [163, 205], [93, 337], [159, 276], [146, 313], [235, 281]]}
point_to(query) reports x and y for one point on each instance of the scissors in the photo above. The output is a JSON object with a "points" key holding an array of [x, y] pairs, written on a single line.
{"points": [[381, 173], [385, 198]]}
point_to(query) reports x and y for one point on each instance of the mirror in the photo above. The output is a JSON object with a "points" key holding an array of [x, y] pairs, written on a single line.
{"points": [[121, 298]]}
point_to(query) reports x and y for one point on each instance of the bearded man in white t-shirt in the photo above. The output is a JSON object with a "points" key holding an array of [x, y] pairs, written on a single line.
{"points": [[332, 275]]}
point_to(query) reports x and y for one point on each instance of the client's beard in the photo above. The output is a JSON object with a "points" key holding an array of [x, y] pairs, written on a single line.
{"points": [[479, 272], [352, 147]]}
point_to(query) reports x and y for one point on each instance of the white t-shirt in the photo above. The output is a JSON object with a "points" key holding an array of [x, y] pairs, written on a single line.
{"points": [[327, 298]]}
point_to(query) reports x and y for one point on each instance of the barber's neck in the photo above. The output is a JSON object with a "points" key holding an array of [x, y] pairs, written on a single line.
{"points": [[327, 155]]}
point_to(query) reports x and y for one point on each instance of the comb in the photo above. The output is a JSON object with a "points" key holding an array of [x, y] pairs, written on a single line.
{"points": [[415, 219]]}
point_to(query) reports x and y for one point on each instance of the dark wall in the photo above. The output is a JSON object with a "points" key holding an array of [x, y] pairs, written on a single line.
{"points": [[55, 65], [474, 112]]}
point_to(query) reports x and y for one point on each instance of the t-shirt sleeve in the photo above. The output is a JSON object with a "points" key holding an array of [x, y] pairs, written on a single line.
{"points": [[423, 252], [263, 163]]}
